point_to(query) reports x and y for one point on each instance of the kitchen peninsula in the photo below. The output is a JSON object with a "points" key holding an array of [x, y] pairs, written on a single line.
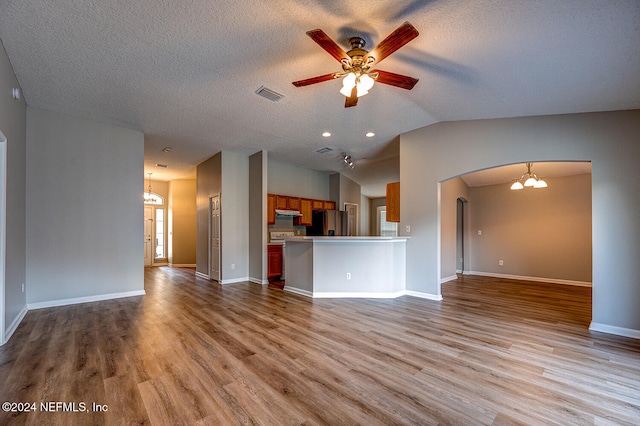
{"points": [[346, 266]]}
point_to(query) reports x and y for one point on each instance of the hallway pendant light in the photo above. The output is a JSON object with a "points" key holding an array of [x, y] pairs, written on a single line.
{"points": [[532, 180], [148, 196]]}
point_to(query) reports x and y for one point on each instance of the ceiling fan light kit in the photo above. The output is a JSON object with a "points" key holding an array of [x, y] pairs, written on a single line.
{"points": [[532, 180], [358, 77]]}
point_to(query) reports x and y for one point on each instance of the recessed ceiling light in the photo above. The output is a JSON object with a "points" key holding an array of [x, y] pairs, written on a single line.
{"points": [[167, 149], [370, 134], [164, 166], [326, 134]]}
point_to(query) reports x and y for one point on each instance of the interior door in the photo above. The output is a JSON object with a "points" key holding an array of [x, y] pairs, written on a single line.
{"points": [[148, 236], [352, 219], [214, 243]]}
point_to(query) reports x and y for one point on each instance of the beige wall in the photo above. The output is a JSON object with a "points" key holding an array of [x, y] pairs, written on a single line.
{"points": [[542, 233], [181, 244]]}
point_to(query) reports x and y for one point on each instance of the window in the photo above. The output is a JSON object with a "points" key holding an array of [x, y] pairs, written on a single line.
{"points": [[151, 198], [160, 233], [386, 229]]}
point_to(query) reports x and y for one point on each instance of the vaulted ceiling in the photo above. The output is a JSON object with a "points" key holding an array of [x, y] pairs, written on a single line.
{"points": [[185, 72]]}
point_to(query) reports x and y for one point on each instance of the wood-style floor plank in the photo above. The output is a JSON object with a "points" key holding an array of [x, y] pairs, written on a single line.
{"points": [[493, 352]]}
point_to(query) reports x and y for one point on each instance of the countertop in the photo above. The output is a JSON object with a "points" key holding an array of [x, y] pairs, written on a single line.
{"points": [[345, 239]]}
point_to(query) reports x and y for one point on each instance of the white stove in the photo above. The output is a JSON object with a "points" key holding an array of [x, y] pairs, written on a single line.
{"points": [[277, 237]]}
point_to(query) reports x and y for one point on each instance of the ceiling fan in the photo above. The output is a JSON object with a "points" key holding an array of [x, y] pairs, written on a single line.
{"points": [[357, 63]]}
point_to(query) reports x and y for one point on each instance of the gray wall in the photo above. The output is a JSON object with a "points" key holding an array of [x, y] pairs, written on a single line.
{"points": [[84, 208], [235, 217], [258, 165], [609, 140], [13, 123], [226, 173], [285, 179]]}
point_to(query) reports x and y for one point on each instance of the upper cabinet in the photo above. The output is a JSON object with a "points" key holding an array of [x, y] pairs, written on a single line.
{"points": [[271, 209], [304, 205], [393, 202], [282, 202], [293, 203]]}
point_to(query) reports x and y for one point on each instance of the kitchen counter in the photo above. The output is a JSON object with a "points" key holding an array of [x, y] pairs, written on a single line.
{"points": [[346, 266]]}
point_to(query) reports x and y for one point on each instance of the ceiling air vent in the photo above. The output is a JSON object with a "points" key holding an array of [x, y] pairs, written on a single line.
{"points": [[269, 94], [324, 150]]}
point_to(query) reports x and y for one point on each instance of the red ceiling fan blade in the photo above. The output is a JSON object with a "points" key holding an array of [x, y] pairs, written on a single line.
{"points": [[397, 80], [314, 80], [352, 100], [394, 41], [327, 44]]}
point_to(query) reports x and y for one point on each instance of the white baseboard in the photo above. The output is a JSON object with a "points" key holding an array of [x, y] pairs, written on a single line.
{"points": [[298, 291], [537, 279], [259, 281], [362, 295], [612, 329], [447, 279], [14, 325], [234, 280], [201, 275], [436, 297], [182, 265], [77, 300]]}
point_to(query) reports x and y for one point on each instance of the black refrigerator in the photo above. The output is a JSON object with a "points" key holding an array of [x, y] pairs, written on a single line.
{"points": [[327, 222]]}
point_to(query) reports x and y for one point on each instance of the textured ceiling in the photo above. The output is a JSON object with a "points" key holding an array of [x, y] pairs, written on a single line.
{"points": [[185, 72]]}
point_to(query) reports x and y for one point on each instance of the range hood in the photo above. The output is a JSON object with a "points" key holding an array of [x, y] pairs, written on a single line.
{"points": [[280, 212]]}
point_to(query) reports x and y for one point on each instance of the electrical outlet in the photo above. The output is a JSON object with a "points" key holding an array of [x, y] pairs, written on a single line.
{"points": [[348, 275], [233, 266], [500, 262], [408, 228]]}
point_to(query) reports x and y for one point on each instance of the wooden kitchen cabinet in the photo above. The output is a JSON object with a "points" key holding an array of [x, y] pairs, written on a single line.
{"points": [[329, 205], [271, 209], [317, 205], [282, 202], [293, 203], [274, 261], [306, 206], [393, 202]]}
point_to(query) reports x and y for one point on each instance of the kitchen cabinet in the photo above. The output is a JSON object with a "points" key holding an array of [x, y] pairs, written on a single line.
{"points": [[306, 206], [329, 205], [393, 202], [271, 209], [293, 203], [274, 261], [317, 205], [282, 202]]}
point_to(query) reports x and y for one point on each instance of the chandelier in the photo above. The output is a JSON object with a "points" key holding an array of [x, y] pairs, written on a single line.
{"points": [[531, 181], [148, 196]]}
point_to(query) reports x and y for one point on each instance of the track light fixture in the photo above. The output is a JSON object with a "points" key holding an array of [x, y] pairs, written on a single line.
{"points": [[347, 160]]}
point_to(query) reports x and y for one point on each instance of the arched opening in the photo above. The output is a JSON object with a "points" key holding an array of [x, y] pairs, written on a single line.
{"points": [[532, 234]]}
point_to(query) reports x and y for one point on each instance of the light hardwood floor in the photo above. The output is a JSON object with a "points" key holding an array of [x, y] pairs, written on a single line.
{"points": [[193, 352]]}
